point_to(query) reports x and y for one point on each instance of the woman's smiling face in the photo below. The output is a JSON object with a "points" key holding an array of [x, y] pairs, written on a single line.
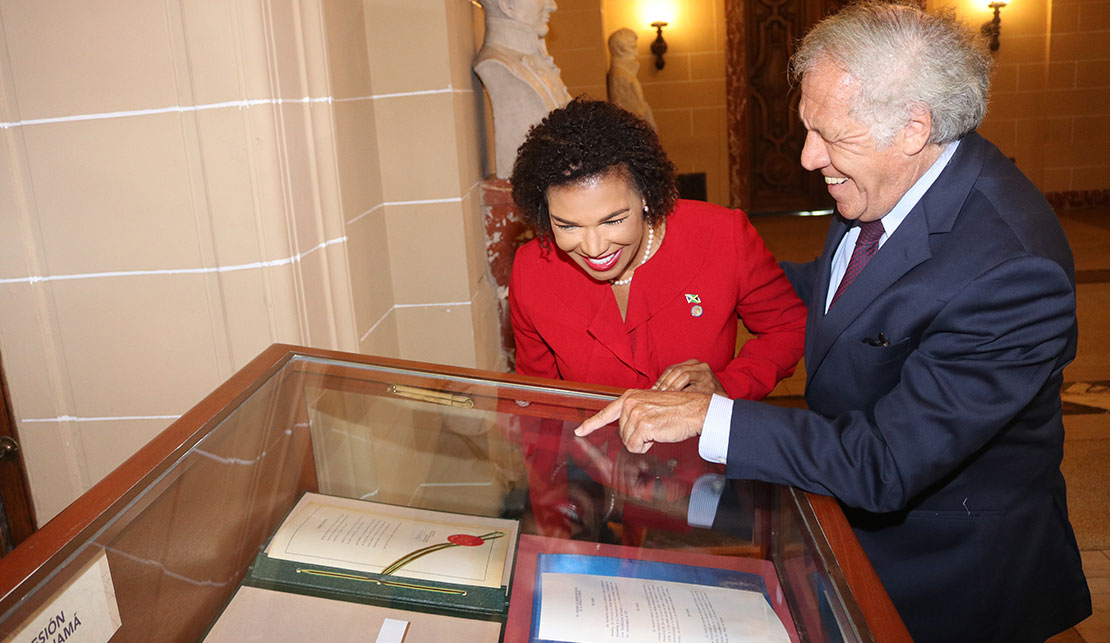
{"points": [[599, 222]]}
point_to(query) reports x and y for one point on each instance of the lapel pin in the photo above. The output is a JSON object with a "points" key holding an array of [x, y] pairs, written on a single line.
{"points": [[693, 299], [696, 311]]}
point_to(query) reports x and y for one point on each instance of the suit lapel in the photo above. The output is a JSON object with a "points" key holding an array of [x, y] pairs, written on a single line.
{"points": [[606, 327], [815, 322], [669, 272], [591, 300], [905, 249]]}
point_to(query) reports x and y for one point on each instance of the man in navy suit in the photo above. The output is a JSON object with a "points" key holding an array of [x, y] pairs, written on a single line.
{"points": [[941, 316]]}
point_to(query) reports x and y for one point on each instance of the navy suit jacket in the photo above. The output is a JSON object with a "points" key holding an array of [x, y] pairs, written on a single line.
{"points": [[944, 446]]}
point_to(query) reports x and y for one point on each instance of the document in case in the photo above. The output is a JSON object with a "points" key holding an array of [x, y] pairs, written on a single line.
{"points": [[573, 591], [612, 600], [373, 537], [374, 553]]}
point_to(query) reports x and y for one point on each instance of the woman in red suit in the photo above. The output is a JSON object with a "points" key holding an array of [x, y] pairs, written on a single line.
{"points": [[625, 284]]}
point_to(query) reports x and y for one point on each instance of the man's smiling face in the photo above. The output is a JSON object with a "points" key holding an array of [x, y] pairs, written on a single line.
{"points": [[866, 180]]}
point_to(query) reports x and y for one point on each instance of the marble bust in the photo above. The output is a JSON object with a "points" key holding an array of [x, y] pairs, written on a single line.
{"points": [[521, 79], [622, 82]]}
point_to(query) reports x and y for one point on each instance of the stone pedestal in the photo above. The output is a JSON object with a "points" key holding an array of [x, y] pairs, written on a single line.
{"points": [[505, 232]]}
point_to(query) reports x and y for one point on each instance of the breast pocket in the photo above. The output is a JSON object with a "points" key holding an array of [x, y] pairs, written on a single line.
{"points": [[879, 366], [863, 352]]}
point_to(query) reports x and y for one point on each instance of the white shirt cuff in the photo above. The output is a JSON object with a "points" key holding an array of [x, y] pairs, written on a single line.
{"points": [[704, 498], [713, 444]]}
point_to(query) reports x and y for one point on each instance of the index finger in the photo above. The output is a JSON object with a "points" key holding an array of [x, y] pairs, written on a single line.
{"points": [[611, 413]]}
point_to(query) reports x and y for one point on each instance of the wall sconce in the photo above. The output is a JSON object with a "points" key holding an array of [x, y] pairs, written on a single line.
{"points": [[659, 46], [993, 27]]}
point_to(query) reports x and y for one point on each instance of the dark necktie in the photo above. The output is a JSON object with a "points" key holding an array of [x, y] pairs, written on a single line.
{"points": [[866, 245]]}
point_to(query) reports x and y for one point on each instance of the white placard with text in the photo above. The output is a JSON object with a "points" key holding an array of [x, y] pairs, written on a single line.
{"points": [[85, 611]]}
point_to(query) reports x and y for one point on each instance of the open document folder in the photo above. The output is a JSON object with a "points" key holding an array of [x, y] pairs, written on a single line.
{"points": [[388, 555], [373, 537]]}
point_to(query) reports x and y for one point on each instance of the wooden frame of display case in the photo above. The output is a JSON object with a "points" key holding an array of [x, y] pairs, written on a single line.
{"points": [[30, 574]]}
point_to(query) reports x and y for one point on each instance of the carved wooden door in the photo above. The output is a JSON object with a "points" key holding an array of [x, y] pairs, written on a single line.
{"points": [[766, 136]]}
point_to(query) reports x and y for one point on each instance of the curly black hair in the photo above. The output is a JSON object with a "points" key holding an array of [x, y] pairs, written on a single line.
{"points": [[587, 139]]}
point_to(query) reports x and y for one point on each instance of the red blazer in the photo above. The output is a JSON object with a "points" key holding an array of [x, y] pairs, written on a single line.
{"points": [[711, 270]]}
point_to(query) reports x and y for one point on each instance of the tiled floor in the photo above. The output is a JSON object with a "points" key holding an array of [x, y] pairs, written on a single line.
{"points": [[1086, 392]]}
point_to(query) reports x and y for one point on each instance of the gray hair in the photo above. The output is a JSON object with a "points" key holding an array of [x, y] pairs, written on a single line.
{"points": [[903, 59]]}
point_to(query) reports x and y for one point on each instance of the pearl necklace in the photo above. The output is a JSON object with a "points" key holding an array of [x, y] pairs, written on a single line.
{"points": [[647, 253]]}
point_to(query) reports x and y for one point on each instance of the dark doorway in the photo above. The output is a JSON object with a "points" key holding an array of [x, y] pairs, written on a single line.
{"points": [[16, 513], [692, 186]]}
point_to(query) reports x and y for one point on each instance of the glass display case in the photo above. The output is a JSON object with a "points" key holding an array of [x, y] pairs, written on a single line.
{"points": [[175, 532]]}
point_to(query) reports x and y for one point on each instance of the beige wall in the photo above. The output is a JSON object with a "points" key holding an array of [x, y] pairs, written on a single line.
{"points": [[1050, 100], [687, 96], [576, 38], [182, 184], [430, 125]]}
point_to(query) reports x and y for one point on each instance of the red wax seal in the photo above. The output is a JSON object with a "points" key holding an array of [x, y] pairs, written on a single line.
{"points": [[465, 540]]}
